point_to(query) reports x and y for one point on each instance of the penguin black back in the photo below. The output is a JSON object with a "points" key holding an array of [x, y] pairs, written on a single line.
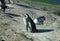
{"points": [[33, 26]]}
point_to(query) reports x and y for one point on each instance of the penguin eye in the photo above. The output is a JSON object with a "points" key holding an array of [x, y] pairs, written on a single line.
{"points": [[25, 16]]}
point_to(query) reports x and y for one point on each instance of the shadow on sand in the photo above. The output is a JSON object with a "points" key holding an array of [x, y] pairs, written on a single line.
{"points": [[44, 30], [26, 6], [11, 15]]}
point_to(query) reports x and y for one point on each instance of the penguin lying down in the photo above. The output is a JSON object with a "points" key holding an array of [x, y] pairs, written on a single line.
{"points": [[39, 21]]}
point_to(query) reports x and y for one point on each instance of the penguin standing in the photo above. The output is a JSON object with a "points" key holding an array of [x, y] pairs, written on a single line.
{"points": [[2, 1], [30, 24], [3, 5]]}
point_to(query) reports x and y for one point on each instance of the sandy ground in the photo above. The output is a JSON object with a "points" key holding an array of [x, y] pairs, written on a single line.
{"points": [[12, 27]]}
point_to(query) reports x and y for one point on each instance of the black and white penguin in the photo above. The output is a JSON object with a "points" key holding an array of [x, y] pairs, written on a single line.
{"points": [[30, 24], [39, 20], [3, 5], [2, 1]]}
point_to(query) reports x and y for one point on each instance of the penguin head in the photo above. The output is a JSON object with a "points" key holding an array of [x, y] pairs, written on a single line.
{"points": [[26, 15]]}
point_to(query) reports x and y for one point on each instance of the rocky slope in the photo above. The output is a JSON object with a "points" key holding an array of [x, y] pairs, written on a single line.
{"points": [[12, 27]]}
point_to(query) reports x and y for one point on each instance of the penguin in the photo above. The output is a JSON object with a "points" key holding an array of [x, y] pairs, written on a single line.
{"points": [[39, 20], [3, 5], [30, 24], [26, 22], [2, 1]]}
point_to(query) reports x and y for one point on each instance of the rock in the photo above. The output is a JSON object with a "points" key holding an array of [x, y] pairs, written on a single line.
{"points": [[9, 1], [57, 13]]}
